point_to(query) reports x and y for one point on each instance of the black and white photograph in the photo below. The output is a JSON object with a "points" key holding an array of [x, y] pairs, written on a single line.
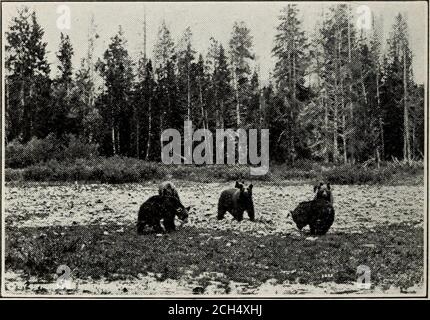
{"points": [[214, 150]]}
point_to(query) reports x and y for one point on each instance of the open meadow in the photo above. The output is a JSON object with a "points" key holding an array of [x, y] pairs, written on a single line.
{"points": [[91, 228]]}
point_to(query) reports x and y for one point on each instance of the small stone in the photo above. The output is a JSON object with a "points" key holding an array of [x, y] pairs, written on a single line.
{"points": [[311, 238]]}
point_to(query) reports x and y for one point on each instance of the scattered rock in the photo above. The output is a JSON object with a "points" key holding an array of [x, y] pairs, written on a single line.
{"points": [[198, 290], [311, 238]]}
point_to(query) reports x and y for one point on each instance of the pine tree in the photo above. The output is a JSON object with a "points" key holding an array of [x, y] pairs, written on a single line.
{"points": [[241, 55], [398, 85], [168, 114], [186, 83], [116, 70], [292, 61], [27, 78], [222, 91], [63, 119], [338, 77]]}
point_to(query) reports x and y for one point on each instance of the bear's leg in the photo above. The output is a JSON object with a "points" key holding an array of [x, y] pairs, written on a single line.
{"points": [[158, 228], [169, 224], [251, 215], [238, 215], [312, 228], [221, 213], [140, 227]]}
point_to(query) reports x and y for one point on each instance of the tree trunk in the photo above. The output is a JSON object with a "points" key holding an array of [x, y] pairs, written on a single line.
{"points": [[351, 105], [148, 143], [345, 155], [406, 133], [137, 138], [113, 140], [326, 132], [335, 134], [236, 87], [188, 93], [380, 120]]}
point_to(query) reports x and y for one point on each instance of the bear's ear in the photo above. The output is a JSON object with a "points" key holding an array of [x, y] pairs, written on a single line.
{"points": [[238, 185], [316, 188], [250, 189], [328, 186]]}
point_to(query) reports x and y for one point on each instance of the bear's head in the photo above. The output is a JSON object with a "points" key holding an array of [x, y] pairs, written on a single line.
{"points": [[245, 196], [239, 185], [323, 191], [180, 211]]}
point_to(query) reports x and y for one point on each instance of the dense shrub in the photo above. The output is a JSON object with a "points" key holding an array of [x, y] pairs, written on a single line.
{"points": [[35, 151], [123, 170], [75, 149]]}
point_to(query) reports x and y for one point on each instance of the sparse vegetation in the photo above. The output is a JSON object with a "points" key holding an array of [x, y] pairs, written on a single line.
{"points": [[124, 170], [101, 252]]}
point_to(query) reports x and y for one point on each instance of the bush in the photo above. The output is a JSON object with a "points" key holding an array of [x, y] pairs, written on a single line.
{"points": [[77, 149], [38, 173], [36, 150], [21, 155], [123, 170], [14, 174]]}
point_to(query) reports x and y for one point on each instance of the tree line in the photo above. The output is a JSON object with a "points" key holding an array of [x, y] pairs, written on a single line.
{"points": [[334, 95]]}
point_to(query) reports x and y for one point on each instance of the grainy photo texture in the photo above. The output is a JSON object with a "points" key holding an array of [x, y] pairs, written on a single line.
{"points": [[214, 149]]}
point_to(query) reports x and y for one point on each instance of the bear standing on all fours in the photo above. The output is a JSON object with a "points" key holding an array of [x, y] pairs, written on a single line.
{"points": [[236, 201], [158, 208], [318, 213]]}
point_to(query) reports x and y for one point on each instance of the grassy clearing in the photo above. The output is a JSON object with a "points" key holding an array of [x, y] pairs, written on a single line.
{"points": [[393, 252], [126, 170]]}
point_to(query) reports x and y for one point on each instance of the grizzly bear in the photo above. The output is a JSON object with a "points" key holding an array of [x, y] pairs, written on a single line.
{"points": [[323, 191], [236, 201], [168, 189], [318, 213], [158, 208]]}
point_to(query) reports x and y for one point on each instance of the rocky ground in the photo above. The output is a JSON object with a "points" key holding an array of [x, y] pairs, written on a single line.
{"points": [[41, 217]]}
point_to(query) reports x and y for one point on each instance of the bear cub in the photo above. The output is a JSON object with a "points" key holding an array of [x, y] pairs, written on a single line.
{"points": [[159, 213], [318, 213], [236, 201]]}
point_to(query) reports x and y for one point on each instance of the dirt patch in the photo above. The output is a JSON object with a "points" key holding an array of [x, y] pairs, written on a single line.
{"points": [[113, 253], [357, 207], [91, 229]]}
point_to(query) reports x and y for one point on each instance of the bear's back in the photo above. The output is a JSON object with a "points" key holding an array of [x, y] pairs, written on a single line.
{"points": [[302, 214], [229, 197], [168, 189], [158, 207]]}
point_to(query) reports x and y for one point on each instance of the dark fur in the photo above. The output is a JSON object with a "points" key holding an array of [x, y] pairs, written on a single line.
{"points": [[158, 208], [168, 189], [323, 191], [236, 201], [318, 214]]}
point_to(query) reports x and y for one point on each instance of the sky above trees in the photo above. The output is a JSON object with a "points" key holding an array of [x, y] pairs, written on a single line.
{"points": [[206, 20]]}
